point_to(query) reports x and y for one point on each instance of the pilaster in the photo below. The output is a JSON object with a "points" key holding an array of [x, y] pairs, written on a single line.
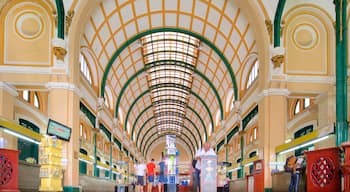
{"points": [[8, 95], [272, 127], [63, 106]]}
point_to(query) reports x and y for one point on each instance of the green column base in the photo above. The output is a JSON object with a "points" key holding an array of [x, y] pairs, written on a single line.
{"points": [[268, 190], [71, 189]]}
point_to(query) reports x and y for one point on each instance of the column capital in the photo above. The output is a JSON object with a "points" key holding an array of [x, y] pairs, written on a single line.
{"points": [[59, 49], [100, 103], [9, 88]]}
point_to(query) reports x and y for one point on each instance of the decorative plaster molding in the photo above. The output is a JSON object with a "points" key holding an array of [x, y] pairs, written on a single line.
{"points": [[69, 18], [9, 89], [32, 111], [24, 70], [269, 28], [314, 79], [100, 104], [298, 118], [63, 85], [277, 61], [274, 91]]}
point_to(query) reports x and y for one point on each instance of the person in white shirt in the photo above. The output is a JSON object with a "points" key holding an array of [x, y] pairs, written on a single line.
{"points": [[205, 151], [140, 170]]}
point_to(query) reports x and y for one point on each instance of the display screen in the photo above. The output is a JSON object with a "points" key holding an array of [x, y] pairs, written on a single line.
{"points": [[59, 130]]}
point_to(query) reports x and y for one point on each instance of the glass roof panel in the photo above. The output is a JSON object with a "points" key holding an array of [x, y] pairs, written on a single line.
{"points": [[170, 58]]}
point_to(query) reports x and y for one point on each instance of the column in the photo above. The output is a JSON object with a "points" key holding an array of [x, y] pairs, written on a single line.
{"points": [[342, 129], [241, 135], [63, 106], [272, 126], [8, 95]]}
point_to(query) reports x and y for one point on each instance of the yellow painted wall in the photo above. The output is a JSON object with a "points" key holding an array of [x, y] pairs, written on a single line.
{"points": [[27, 37]]}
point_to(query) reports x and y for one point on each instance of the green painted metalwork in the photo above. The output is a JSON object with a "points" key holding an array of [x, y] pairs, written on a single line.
{"points": [[106, 131], [132, 106], [140, 35], [96, 170], [249, 117], [162, 135], [60, 18], [193, 93], [82, 164], [88, 113], [241, 172], [124, 88], [126, 151], [160, 85], [154, 126], [232, 133], [116, 141], [154, 117], [342, 129], [137, 119], [277, 23], [219, 145], [71, 189], [170, 133]]}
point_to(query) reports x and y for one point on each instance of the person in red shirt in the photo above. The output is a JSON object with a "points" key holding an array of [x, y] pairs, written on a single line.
{"points": [[150, 173]]}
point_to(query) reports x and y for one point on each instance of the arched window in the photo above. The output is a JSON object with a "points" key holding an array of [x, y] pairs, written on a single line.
{"points": [[306, 102], [25, 95], [299, 105], [128, 128], [36, 101], [209, 129], [32, 97], [121, 116], [84, 68], [107, 102], [229, 101], [253, 74], [217, 118]]}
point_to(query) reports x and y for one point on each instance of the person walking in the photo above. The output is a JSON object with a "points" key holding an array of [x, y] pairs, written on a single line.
{"points": [[140, 170], [161, 178], [150, 174]]}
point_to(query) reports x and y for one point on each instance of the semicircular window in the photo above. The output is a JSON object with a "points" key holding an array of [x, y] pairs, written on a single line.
{"points": [[170, 59]]}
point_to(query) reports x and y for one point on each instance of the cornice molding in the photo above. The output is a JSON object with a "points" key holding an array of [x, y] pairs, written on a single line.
{"points": [[63, 85], [24, 70], [9, 88], [274, 91], [32, 111], [313, 79]]}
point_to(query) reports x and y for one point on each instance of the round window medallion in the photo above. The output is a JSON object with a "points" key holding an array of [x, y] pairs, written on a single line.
{"points": [[305, 37], [29, 25]]}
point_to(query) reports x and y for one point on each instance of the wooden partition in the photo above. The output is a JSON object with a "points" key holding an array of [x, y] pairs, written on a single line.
{"points": [[238, 185], [281, 180], [28, 180]]}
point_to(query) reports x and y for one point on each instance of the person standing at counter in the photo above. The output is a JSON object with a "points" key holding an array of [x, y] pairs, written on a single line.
{"points": [[205, 151]]}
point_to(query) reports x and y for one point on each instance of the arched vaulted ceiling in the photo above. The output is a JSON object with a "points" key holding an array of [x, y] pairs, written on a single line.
{"points": [[170, 63]]}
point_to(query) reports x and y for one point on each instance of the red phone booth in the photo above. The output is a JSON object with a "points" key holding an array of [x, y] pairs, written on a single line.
{"points": [[323, 170], [8, 170]]}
